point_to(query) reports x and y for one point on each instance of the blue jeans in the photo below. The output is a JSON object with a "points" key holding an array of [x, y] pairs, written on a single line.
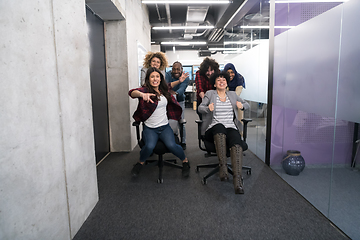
{"points": [[166, 134]]}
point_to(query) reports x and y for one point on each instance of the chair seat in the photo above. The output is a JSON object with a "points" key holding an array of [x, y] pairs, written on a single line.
{"points": [[209, 147], [160, 149]]}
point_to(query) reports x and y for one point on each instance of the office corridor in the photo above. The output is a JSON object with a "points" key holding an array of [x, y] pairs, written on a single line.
{"points": [[185, 209]]}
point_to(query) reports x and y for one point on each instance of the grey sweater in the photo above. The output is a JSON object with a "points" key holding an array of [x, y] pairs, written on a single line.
{"points": [[210, 97]]}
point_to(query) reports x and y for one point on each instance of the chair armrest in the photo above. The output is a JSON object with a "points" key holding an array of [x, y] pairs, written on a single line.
{"points": [[137, 124], [182, 121], [245, 121], [199, 123]]}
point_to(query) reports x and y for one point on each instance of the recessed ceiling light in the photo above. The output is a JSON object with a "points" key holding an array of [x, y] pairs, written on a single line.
{"points": [[182, 27], [265, 27], [183, 43], [225, 49], [257, 41]]}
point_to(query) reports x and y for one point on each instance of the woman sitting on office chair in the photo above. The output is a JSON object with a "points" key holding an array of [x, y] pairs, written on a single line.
{"points": [[219, 109], [156, 106]]}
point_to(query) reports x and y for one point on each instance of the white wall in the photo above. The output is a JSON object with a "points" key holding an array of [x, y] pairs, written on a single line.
{"points": [[47, 176], [190, 57], [253, 64]]}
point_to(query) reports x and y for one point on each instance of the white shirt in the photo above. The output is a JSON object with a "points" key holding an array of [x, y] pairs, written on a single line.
{"points": [[159, 117]]}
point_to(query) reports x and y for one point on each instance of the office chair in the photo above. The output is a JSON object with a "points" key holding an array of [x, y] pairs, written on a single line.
{"points": [[209, 148], [160, 149]]}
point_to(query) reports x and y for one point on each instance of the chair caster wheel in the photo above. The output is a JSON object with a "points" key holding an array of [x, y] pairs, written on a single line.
{"points": [[160, 181], [203, 181]]}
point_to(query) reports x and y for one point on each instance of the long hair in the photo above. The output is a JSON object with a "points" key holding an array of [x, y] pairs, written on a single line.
{"points": [[163, 87], [208, 62], [159, 55]]}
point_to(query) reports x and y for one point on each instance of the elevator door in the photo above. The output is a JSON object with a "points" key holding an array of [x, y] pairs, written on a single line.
{"points": [[98, 84]]}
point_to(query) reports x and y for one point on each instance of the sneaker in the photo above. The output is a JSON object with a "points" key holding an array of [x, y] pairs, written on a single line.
{"points": [[185, 169], [136, 169]]}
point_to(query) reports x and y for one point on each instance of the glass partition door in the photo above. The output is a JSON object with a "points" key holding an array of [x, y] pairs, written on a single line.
{"points": [[316, 104], [247, 47]]}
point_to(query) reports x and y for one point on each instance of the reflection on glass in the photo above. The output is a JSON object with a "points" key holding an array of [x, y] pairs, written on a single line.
{"points": [[313, 107], [246, 46]]}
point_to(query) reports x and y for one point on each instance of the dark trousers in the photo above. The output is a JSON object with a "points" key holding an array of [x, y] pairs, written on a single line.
{"points": [[233, 136]]}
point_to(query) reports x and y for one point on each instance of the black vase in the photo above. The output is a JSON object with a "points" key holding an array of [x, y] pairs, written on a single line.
{"points": [[293, 163]]}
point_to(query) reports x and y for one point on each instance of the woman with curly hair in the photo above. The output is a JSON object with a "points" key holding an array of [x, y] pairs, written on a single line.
{"points": [[153, 59], [207, 68]]}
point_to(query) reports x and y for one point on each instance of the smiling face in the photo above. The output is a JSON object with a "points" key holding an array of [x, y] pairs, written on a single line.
{"points": [[154, 80], [220, 83], [231, 73], [155, 62], [209, 72], [176, 70]]}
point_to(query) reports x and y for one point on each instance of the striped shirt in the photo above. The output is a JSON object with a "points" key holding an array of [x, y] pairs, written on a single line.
{"points": [[223, 113]]}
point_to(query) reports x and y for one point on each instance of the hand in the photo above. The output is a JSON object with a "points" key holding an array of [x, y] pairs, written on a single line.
{"points": [[211, 107], [183, 76], [239, 105], [147, 97], [202, 94]]}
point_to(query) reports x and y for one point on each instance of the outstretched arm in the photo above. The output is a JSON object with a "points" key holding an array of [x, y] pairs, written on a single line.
{"points": [[145, 96], [182, 78]]}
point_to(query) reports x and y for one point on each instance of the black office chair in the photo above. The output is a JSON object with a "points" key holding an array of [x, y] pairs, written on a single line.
{"points": [[209, 148], [160, 149]]}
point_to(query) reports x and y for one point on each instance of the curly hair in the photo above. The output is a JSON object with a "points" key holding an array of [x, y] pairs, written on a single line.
{"points": [[208, 62], [219, 74], [163, 87], [159, 55]]}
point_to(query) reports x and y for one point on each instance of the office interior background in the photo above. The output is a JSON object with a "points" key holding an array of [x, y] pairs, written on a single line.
{"points": [[66, 68]]}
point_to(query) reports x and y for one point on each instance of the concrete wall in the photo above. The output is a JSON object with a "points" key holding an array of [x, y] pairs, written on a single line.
{"points": [[47, 176], [122, 39]]}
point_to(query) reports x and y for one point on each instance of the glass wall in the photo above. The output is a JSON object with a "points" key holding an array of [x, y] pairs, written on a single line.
{"points": [[316, 105], [247, 47]]}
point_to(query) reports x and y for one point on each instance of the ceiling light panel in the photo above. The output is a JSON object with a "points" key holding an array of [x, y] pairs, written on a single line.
{"points": [[183, 43], [196, 14], [182, 27]]}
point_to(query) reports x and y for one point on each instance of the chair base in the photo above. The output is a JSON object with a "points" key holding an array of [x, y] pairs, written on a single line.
{"points": [[216, 169], [161, 163]]}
